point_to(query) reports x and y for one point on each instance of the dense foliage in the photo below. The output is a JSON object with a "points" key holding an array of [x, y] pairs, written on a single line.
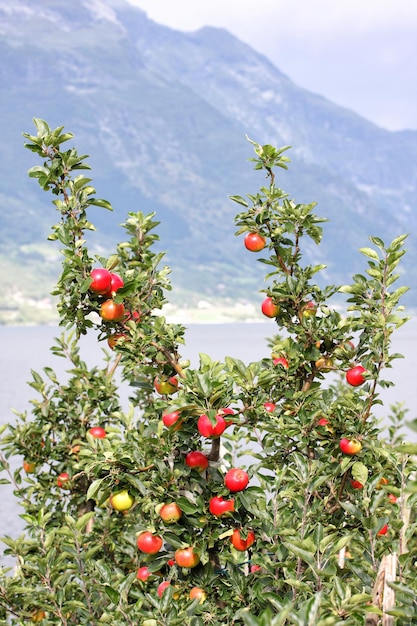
{"points": [[293, 498]]}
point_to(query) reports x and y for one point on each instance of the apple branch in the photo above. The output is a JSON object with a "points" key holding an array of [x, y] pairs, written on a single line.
{"points": [[214, 453]]}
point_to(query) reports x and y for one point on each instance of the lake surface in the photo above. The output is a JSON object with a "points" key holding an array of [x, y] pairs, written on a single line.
{"points": [[26, 348]]}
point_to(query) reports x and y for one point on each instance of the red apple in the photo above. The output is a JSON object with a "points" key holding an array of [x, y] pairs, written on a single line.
{"points": [[236, 479], [186, 557], [207, 429], [143, 573], [110, 311], [356, 484], [166, 386], [170, 513], [392, 498], [101, 281], [172, 420], [239, 543], [355, 377], [97, 432], [280, 360], [116, 283], [382, 531], [148, 542], [270, 407], [197, 593], [62, 480], [112, 340], [323, 421], [226, 411], [309, 309], [162, 586], [218, 506], [197, 460], [350, 446], [254, 242], [269, 308]]}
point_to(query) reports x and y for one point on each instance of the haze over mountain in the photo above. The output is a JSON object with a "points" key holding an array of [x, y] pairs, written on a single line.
{"points": [[164, 115]]}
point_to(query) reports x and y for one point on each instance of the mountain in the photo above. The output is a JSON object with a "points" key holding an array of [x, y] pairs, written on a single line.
{"points": [[164, 115]]}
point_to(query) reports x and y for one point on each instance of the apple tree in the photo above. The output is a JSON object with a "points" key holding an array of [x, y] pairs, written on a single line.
{"points": [[262, 493]]}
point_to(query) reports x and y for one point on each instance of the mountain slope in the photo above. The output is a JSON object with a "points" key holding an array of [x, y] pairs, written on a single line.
{"points": [[164, 115]]}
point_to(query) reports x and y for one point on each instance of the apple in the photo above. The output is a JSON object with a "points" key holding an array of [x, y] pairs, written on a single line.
{"points": [[133, 316], [356, 484], [166, 386], [392, 498], [236, 479], [269, 308], [226, 411], [29, 467], [346, 347], [382, 531], [101, 281], [97, 432], [121, 500], [309, 309], [170, 513], [323, 421], [207, 429], [162, 586], [354, 375], [197, 460], [324, 364], [112, 340], [280, 360], [110, 311], [143, 573], [170, 562], [255, 568], [269, 407], [62, 480], [172, 419], [350, 446], [37, 616], [239, 543], [382, 481], [197, 593], [218, 506], [149, 543], [186, 557], [116, 283], [254, 242]]}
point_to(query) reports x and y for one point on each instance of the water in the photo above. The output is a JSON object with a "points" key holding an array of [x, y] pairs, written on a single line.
{"points": [[28, 348]]}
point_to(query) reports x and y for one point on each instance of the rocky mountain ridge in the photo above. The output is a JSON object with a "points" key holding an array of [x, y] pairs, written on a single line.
{"points": [[164, 115]]}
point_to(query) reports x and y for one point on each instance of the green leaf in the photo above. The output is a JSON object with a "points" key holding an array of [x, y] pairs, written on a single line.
{"points": [[360, 472], [407, 448], [94, 488], [313, 608], [239, 200], [301, 552], [112, 594], [369, 252]]}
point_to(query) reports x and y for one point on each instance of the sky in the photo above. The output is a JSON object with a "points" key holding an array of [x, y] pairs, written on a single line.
{"points": [[360, 54]]}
